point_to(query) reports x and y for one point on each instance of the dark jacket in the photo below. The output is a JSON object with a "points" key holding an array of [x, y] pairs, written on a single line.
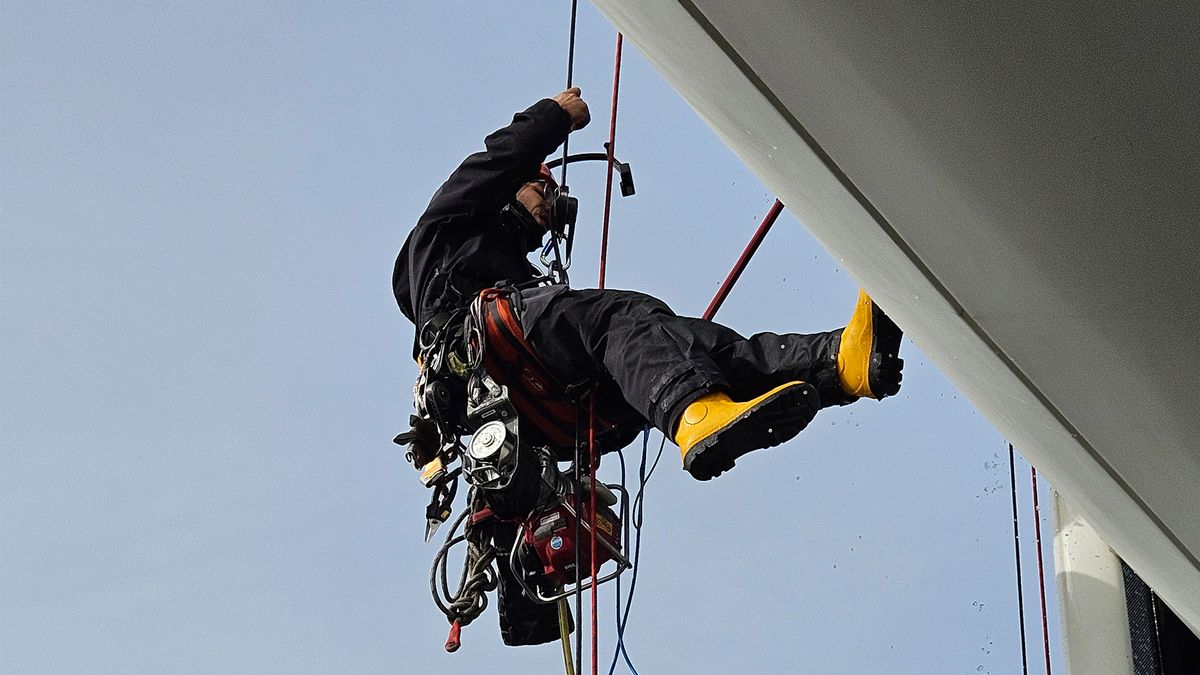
{"points": [[460, 245]]}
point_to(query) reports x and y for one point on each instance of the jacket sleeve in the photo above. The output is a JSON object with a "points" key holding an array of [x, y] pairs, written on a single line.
{"points": [[486, 180]]}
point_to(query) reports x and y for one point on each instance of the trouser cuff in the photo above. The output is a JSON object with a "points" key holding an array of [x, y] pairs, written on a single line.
{"points": [[825, 375], [678, 394]]}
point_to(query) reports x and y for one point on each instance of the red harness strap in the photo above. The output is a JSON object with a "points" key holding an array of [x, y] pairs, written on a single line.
{"points": [[537, 395]]}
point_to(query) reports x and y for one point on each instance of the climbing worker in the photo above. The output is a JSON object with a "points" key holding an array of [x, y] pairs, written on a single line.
{"points": [[717, 394], [496, 337]]}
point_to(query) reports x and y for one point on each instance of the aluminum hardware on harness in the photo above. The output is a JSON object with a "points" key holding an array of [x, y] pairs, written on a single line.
{"points": [[432, 440], [440, 503], [491, 458]]}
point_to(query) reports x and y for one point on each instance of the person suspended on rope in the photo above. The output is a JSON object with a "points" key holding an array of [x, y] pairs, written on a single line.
{"points": [[584, 363], [717, 394]]}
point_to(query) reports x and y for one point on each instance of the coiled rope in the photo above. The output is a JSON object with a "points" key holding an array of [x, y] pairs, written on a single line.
{"points": [[464, 604]]}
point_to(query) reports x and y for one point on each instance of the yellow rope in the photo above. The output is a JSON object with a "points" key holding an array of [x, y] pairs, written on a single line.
{"points": [[565, 634]]}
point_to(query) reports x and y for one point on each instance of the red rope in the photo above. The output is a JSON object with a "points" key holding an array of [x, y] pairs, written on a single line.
{"points": [[741, 263], [612, 142], [608, 181], [1037, 529]]}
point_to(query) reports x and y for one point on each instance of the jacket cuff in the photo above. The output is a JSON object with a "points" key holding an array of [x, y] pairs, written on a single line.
{"points": [[552, 121]]}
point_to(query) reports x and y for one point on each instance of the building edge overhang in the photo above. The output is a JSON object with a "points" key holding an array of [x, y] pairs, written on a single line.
{"points": [[707, 71]]}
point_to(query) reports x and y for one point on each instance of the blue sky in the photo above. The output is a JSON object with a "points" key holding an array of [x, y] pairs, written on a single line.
{"points": [[202, 366]]}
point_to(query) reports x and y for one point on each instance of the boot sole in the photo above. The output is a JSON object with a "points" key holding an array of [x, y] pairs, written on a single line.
{"points": [[774, 420], [887, 334], [887, 339]]}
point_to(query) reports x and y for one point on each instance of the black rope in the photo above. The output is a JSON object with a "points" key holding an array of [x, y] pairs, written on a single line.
{"points": [[570, 82], [577, 469], [1012, 477]]}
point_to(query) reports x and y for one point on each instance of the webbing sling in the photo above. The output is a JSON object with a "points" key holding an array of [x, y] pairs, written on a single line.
{"points": [[537, 394]]}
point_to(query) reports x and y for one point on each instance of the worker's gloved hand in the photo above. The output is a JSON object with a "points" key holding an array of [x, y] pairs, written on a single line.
{"points": [[575, 106]]}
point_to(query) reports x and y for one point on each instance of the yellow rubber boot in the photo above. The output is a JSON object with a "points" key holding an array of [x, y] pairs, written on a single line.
{"points": [[715, 430], [867, 359]]}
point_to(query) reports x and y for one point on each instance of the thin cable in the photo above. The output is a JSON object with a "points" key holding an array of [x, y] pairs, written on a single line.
{"points": [[626, 522], [657, 457], [742, 261], [1012, 479], [1037, 525], [570, 82], [578, 476], [638, 503], [611, 148]]}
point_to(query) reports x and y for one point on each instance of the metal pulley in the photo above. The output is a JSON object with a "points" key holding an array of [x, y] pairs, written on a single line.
{"points": [[491, 458]]}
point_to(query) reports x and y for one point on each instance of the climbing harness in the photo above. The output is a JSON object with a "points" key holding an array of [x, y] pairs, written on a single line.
{"points": [[467, 368]]}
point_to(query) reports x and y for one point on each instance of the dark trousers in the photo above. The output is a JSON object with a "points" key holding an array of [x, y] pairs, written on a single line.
{"points": [[650, 363]]}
